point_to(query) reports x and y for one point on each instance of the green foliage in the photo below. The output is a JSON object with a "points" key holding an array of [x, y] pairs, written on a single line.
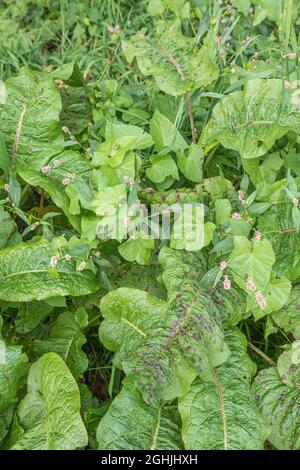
{"points": [[149, 225]]}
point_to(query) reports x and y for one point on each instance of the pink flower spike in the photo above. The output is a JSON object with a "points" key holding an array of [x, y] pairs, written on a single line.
{"points": [[295, 201], [126, 221], [223, 265], [46, 169], [66, 181], [227, 283], [291, 55], [242, 196], [53, 261], [6, 187], [250, 284], [126, 179], [81, 266], [236, 216], [68, 257], [218, 40], [113, 29], [260, 300], [65, 129], [257, 235], [57, 162]]}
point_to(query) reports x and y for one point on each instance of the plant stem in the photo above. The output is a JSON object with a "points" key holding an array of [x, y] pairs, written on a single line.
{"points": [[191, 117], [262, 354]]}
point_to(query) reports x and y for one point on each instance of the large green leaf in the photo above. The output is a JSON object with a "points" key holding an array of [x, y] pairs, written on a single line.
{"points": [[119, 139], [137, 327], [30, 122], [175, 61], [28, 264], [174, 340], [250, 121], [277, 392], [252, 259], [13, 370], [277, 226], [66, 339], [131, 424], [288, 317], [222, 414], [165, 134], [50, 412]]}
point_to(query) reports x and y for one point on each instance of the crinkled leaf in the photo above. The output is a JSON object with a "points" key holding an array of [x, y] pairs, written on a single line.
{"points": [[28, 264], [277, 226], [137, 327], [50, 412], [278, 397], [66, 339], [250, 121], [30, 122], [151, 336], [13, 370], [288, 317], [175, 61], [222, 414], [131, 424]]}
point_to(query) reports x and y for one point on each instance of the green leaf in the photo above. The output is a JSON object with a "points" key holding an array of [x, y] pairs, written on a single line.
{"points": [[188, 232], [50, 412], [276, 294], [13, 371], [165, 134], [136, 327], [175, 61], [9, 231], [288, 317], [267, 171], [28, 264], [223, 211], [177, 339], [33, 132], [250, 121], [31, 314], [278, 396], [107, 200], [162, 168], [70, 73], [66, 339], [222, 414], [277, 226], [4, 158], [253, 260], [138, 250], [131, 424], [191, 166], [119, 139]]}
